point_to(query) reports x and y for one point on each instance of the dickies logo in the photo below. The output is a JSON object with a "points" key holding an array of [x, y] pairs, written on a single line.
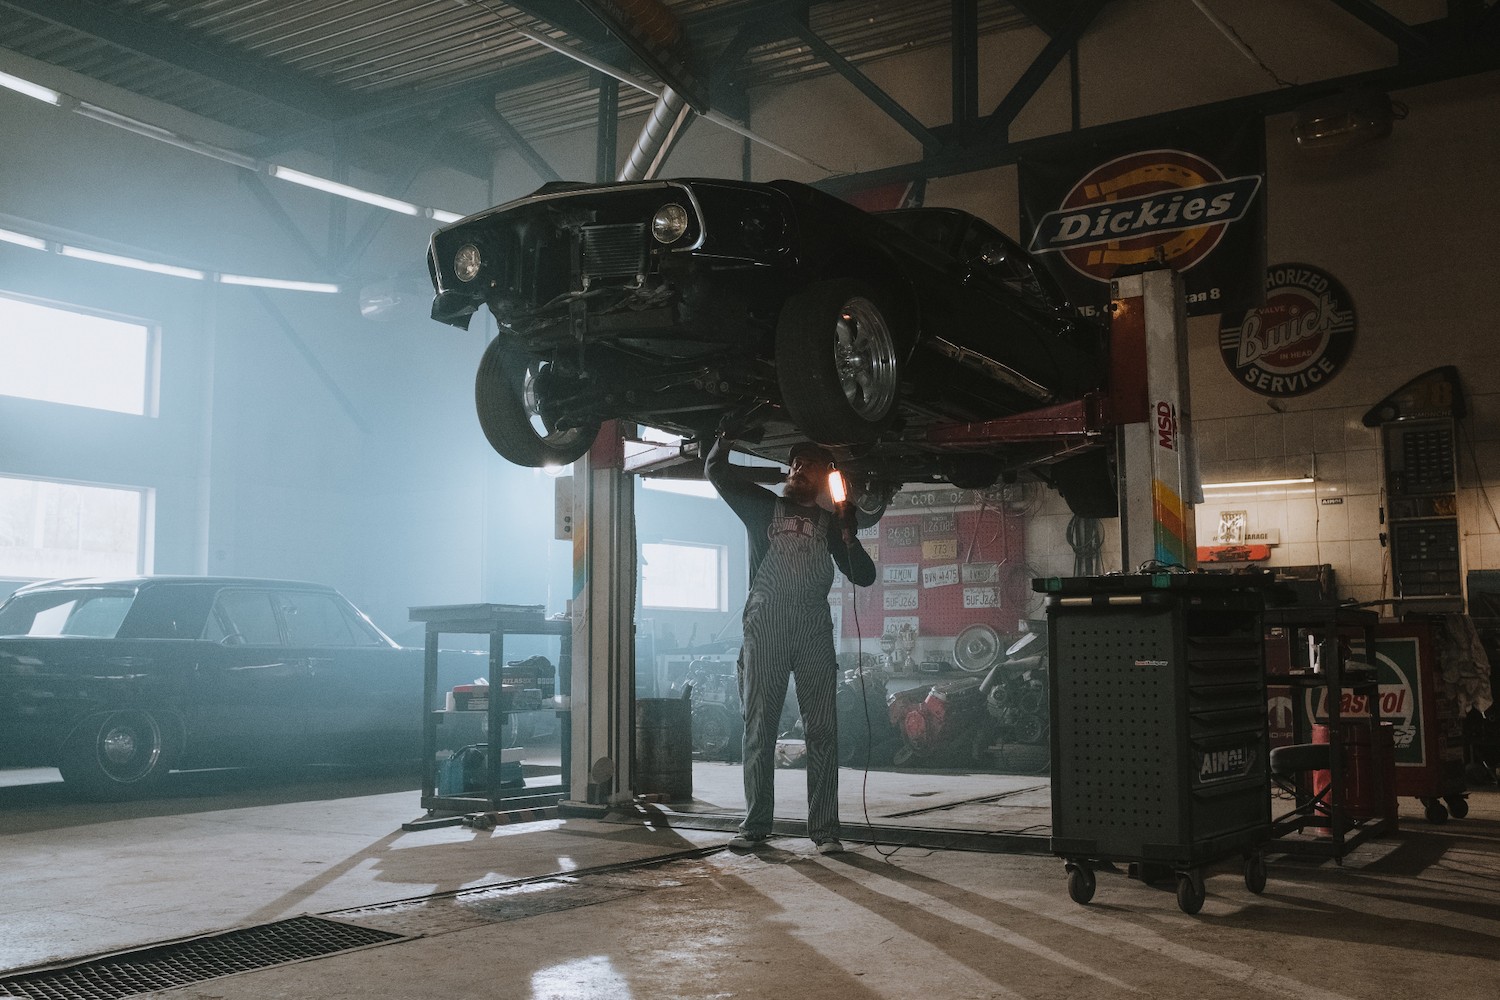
{"points": [[1299, 339], [1162, 204]]}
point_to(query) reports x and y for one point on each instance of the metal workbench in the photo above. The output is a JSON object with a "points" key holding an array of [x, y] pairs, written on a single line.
{"points": [[497, 621]]}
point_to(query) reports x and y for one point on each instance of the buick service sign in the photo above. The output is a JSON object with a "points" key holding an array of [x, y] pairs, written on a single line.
{"points": [[1300, 339]]}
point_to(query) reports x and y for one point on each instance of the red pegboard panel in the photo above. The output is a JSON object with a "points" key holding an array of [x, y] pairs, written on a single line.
{"points": [[986, 537]]}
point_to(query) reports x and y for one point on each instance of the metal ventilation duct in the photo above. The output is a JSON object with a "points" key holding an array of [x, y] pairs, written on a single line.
{"points": [[668, 120]]}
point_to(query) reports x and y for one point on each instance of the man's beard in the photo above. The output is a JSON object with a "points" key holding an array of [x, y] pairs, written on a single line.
{"points": [[802, 491]]}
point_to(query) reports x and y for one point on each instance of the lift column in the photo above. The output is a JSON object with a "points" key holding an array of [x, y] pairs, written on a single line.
{"points": [[1158, 470], [604, 572]]}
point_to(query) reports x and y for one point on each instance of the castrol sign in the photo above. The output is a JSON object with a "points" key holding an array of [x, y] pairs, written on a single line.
{"points": [[1300, 339], [1400, 700]]}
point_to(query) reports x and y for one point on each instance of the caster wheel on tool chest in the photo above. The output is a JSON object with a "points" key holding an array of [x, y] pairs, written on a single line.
{"points": [[1080, 884], [1190, 893], [1436, 811], [1458, 806], [1255, 874]]}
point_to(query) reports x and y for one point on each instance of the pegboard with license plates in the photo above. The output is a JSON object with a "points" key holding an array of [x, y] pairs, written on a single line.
{"points": [[939, 569]]}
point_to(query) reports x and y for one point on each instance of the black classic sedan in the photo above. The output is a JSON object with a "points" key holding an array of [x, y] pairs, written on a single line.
{"points": [[774, 309], [116, 682]]}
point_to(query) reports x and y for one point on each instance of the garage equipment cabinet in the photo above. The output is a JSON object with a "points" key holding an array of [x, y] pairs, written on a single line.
{"points": [[1158, 726]]}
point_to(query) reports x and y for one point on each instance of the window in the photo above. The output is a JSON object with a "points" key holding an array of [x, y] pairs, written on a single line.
{"points": [[51, 529], [684, 576], [321, 620], [243, 618], [96, 613], [70, 356]]}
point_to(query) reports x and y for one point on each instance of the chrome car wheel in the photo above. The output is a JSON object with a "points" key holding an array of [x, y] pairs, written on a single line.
{"points": [[864, 355]]}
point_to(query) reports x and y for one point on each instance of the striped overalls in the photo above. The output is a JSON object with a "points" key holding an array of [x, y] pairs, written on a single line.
{"points": [[788, 629]]}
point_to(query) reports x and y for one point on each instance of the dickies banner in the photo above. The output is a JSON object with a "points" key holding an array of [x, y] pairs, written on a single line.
{"points": [[1189, 197]]}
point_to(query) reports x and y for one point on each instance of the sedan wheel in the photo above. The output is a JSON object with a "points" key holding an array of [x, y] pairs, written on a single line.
{"points": [[120, 755], [508, 399], [838, 362]]}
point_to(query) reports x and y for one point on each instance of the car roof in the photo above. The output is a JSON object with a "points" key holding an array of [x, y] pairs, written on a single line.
{"points": [[91, 582]]}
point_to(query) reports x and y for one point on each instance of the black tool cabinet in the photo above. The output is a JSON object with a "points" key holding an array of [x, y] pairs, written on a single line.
{"points": [[1159, 737]]}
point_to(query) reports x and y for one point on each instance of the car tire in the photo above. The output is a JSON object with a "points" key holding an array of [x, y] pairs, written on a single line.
{"points": [[121, 755], [838, 361], [511, 423], [1087, 483]]}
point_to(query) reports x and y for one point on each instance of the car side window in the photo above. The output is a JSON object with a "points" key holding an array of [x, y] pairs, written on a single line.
{"points": [[316, 620], [987, 247], [243, 618]]}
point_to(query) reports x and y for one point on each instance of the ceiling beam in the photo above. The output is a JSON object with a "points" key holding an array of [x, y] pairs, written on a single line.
{"points": [[997, 125], [166, 43], [864, 84], [1049, 15], [1392, 27], [999, 152], [518, 142]]}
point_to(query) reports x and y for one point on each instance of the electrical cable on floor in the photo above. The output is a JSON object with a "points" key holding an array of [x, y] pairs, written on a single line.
{"points": [[864, 788]]}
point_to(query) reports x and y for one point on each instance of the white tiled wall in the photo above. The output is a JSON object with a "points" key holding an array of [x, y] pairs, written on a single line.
{"points": [[1344, 458]]}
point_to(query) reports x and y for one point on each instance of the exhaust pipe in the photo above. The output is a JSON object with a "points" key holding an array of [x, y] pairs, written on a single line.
{"points": [[668, 121]]}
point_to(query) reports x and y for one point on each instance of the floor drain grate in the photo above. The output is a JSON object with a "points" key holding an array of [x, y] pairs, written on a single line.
{"points": [[179, 963]]}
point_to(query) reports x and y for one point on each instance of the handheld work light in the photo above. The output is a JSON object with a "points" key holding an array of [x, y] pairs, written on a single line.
{"points": [[836, 487]]}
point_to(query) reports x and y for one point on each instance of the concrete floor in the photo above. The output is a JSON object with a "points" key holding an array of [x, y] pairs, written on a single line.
{"points": [[1415, 915]]}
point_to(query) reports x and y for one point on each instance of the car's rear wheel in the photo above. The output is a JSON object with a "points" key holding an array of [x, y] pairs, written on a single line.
{"points": [[121, 755], [838, 361], [507, 400]]}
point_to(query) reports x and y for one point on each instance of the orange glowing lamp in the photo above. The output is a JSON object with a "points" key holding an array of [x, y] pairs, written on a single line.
{"points": [[836, 487]]}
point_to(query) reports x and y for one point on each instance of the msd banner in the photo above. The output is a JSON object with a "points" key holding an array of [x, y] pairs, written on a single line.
{"points": [[1189, 198]]}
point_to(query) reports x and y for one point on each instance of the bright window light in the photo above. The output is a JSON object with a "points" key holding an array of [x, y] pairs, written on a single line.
{"points": [[1257, 482], [684, 576], [296, 286], [22, 240], [63, 356], [30, 89], [687, 487], [139, 265], [50, 529], [438, 215], [344, 190]]}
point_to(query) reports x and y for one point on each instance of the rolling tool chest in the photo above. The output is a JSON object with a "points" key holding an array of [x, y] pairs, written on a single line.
{"points": [[1158, 727]]}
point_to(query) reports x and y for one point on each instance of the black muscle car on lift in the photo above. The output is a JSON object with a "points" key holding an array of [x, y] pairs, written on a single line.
{"points": [[116, 682], [775, 309]]}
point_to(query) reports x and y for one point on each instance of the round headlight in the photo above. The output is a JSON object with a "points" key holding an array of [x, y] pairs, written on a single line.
{"points": [[466, 262], [669, 223]]}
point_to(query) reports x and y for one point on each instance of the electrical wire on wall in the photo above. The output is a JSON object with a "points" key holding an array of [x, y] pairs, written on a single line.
{"points": [[1086, 539]]}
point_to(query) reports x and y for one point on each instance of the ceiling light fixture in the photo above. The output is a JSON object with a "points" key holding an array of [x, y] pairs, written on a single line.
{"points": [[22, 240], [30, 89], [438, 215], [343, 190], [295, 286], [1258, 482], [139, 265]]}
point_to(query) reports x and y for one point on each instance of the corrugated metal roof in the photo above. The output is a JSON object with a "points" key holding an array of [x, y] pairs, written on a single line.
{"points": [[376, 52]]}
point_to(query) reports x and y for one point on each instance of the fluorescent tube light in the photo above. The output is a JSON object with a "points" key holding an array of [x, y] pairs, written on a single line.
{"points": [[1257, 482], [30, 89], [343, 190], [22, 240], [438, 215], [296, 286], [139, 265]]}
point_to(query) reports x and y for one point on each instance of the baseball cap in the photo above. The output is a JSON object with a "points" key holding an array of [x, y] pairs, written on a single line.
{"points": [[809, 450]]}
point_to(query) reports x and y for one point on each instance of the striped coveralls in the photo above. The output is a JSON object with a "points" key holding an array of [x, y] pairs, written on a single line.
{"points": [[788, 631]]}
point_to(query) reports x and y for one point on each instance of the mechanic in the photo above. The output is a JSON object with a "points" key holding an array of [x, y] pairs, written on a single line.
{"points": [[789, 630]]}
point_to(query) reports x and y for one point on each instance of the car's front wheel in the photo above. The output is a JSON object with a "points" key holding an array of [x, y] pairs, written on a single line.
{"points": [[120, 755], [507, 399], [838, 361]]}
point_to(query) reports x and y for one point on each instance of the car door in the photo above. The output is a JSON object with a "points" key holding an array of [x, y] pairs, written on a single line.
{"points": [[364, 695], [252, 691]]}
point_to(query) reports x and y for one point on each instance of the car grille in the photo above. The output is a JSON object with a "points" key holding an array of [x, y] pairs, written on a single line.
{"points": [[614, 251]]}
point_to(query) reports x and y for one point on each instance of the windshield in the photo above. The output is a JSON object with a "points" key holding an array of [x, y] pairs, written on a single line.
{"points": [[91, 613]]}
